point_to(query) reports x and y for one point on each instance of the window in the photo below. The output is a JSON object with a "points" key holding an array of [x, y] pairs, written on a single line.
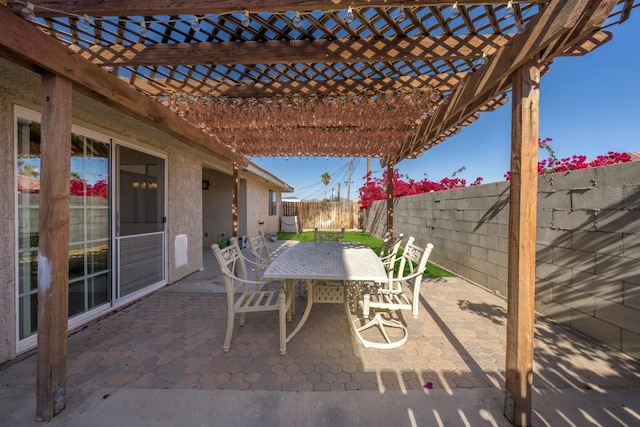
{"points": [[89, 225], [272, 203]]}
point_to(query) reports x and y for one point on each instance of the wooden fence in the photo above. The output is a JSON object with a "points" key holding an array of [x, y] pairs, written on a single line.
{"points": [[324, 215]]}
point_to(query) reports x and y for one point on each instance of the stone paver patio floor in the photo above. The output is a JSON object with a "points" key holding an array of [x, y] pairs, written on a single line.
{"points": [[172, 339]]}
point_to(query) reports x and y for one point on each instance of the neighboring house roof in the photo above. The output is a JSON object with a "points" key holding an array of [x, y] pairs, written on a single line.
{"points": [[270, 178], [28, 184]]}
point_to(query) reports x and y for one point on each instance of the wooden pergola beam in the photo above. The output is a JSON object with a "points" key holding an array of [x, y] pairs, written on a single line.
{"points": [[53, 246], [521, 282], [553, 22], [448, 48], [439, 82], [235, 200], [186, 7], [546, 33], [390, 172], [22, 40]]}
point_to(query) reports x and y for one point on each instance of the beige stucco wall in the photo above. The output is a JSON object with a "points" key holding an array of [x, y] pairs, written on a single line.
{"points": [[7, 233], [185, 210], [257, 202], [216, 206], [253, 207]]}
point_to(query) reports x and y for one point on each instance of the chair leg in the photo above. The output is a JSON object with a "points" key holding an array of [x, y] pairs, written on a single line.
{"points": [[282, 311], [302, 290], [365, 306], [382, 323], [227, 339]]}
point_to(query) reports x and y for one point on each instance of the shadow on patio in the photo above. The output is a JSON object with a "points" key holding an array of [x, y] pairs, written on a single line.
{"points": [[450, 372]]}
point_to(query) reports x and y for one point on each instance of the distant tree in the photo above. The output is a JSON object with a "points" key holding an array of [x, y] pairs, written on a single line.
{"points": [[325, 178]]}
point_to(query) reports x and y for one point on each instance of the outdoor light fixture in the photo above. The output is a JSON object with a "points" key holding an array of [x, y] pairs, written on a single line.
{"points": [[246, 20], [349, 18], [521, 27], [28, 12], [195, 24], [84, 23], [509, 12], [483, 60], [401, 15], [297, 21], [142, 30], [455, 12]]}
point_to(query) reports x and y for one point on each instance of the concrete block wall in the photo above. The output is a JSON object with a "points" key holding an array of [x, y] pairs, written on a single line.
{"points": [[588, 244]]}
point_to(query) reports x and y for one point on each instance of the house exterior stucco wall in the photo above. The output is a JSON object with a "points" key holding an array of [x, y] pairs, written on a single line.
{"points": [[216, 211], [253, 207], [184, 165], [185, 210], [258, 218], [588, 244]]}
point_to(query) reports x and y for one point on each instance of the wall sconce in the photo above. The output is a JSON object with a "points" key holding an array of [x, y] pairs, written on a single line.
{"points": [[205, 184]]}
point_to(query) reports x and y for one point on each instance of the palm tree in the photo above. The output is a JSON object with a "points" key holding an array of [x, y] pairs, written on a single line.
{"points": [[325, 178]]}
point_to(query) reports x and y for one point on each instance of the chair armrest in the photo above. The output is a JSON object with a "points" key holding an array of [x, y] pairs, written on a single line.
{"points": [[260, 263], [405, 278], [242, 281]]}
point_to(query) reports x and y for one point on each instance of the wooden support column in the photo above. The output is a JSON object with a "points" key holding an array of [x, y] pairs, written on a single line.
{"points": [[235, 197], [390, 198], [522, 243], [53, 246]]}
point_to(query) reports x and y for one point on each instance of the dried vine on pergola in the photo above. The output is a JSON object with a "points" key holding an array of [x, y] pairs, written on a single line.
{"points": [[347, 125]]}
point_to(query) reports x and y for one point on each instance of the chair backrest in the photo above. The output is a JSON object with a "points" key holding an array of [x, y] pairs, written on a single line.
{"points": [[260, 248], [231, 262], [413, 261], [328, 235], [389, 250]]}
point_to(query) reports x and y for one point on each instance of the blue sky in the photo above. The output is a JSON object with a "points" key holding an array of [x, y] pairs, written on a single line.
{"points": [[589, 105]]}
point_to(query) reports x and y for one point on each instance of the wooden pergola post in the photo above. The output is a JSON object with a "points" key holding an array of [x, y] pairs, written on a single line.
{"points": [[522, 243], [53, 246], [235, 197], [390, 198]]}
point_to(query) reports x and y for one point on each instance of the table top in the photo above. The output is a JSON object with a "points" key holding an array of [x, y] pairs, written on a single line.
{"points": [[327, 261]]}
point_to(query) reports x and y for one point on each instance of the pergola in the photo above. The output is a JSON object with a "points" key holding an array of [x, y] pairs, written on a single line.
{"points": [[386, 79]]}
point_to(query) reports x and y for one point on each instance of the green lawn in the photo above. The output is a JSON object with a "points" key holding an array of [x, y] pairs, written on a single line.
{"points": [[366, 239]]}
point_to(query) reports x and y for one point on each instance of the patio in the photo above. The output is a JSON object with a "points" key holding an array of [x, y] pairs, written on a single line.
{"points": [[160, 359]]}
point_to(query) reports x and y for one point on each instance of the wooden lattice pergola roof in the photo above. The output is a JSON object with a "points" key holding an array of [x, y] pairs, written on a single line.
{"points": [[325, 77]]}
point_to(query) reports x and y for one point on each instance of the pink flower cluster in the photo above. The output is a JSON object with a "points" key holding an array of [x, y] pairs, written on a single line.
{"points": [[79, 187], [552, 165], [376, 188]]}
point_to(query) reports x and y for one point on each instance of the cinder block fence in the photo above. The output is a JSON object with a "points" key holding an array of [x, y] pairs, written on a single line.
{"points": [[588, 244]]}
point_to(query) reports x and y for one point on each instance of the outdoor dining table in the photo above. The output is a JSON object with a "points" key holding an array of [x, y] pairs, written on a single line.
{"points": [[320, 263]]}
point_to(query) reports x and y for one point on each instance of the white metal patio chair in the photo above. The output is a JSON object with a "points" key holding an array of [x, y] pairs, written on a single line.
{"points": [[262, 253], [328, 292], [249, 296], [328, 235], [399, 292]]}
